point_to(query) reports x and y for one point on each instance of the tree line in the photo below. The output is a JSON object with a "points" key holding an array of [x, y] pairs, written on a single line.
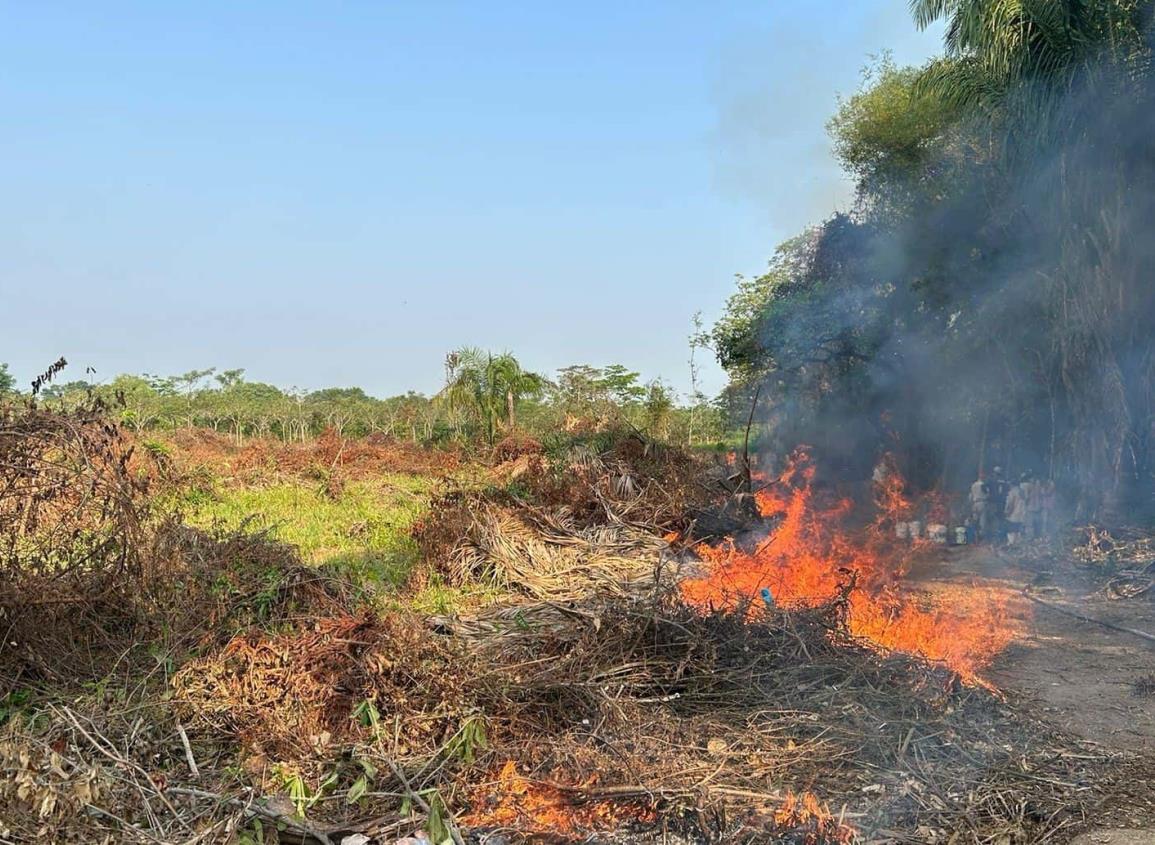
{"points": [[486, 396]]}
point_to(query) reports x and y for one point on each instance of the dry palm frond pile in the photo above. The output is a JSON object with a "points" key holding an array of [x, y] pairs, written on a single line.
{"points": [[583, 520], [514, 546]]}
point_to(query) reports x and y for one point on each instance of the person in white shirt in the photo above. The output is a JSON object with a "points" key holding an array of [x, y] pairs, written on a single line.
{"points": [[981, 507], [1016, 511]]}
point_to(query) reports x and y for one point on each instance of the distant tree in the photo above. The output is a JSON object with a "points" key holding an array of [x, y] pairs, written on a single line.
{"points": [[230, 378], [7, 381], [490, 387], [659, 406], [622, 384], [585, 391], [579, 386], [68, 391], [698, 339], [143, 405], [338, 394]]}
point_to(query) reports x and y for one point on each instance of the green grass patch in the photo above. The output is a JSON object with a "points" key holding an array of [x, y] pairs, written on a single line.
{"points": [[363, 533]]}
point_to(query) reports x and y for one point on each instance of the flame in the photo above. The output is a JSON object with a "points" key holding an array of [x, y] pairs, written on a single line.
{"points": [[809, 557], [514, 801], [890, 498], [806, 814]]}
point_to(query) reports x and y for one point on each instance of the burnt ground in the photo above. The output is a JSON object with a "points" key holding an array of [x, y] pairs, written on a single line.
{"points": [[1094, 682]]}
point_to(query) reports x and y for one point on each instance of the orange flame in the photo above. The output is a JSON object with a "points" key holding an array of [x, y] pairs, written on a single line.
{"points": [[806, 814], [890, 497], [807, 559], [517, 802]]}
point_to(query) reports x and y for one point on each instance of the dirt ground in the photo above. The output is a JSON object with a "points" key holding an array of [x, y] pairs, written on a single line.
{"points": [[1094, 682]]}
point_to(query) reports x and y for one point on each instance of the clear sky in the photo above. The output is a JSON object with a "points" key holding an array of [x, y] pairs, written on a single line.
{"points": [[334, 194]]}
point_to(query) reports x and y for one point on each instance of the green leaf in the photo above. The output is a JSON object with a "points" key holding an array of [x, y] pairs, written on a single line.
{"points": [[357, 790], [369, 769]]}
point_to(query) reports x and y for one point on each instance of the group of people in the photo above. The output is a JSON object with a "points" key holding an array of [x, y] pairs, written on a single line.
{"points": [[1017, 511]]}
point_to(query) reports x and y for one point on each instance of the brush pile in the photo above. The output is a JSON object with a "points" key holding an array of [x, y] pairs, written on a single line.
{"points": [[1128, 560], [73, 529], [615, 477], [1132, 549], [505, 542], [563, 525], [582, 721]]}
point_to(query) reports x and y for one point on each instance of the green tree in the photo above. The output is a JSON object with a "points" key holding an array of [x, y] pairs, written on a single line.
{"points": [[1035, 51], [659, 407], [489, 387], [902, 144], [7, 381]]}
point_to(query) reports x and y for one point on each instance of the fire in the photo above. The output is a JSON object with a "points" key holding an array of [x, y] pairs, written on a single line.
{"points": [[527, 806], [890, 498], [807, 815], [809, 557]]}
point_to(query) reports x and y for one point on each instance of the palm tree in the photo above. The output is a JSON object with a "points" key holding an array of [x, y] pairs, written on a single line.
{"points": [[489, 387], [998, 47]]}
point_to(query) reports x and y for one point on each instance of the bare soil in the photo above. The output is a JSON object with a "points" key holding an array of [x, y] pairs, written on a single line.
{"points": [[1092, 681]]}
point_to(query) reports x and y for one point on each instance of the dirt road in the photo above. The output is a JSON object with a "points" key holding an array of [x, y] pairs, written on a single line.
{"points": [[1094, 682]]}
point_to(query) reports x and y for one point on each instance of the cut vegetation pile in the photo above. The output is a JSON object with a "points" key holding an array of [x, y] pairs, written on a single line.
{"points": [[584, 720], [505, 542], [564, 525]]}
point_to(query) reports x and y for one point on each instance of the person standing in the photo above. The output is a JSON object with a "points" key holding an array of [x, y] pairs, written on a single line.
{"points": [[1016, 512], [1033, 493], [998, 492], [1048, 500], [981, 507]]}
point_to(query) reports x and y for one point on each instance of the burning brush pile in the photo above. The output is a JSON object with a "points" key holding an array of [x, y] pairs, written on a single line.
{"points": [[807, 556], [628, 718]]}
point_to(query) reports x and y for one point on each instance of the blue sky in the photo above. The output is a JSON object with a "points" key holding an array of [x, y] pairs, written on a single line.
{"points": [[340, 193]]}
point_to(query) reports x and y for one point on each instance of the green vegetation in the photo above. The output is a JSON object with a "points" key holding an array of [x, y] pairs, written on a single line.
{"points": [[363, 533], [486, 395], [487, 388]]}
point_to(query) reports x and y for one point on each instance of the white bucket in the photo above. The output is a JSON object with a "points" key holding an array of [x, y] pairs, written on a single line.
{"points": [[901, 530], [915, 528], [960, 535], [936, 533]]}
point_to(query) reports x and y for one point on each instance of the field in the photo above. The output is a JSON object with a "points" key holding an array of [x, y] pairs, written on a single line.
{"points": [[347, 638]]}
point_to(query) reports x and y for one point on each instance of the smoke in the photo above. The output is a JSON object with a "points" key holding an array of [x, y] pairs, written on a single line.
{"points": [[1006, 321]]}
